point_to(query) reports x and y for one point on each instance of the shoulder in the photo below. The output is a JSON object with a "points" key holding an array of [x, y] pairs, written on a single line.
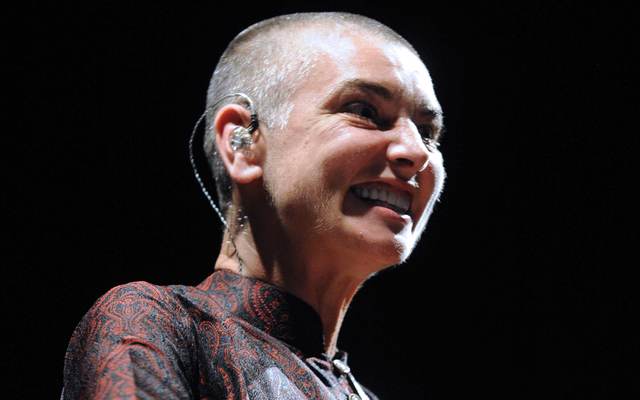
{"points": [[138, 309], [131, 326], [133, 292]]}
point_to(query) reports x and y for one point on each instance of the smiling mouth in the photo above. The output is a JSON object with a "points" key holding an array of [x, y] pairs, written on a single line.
{"points": [[400, 203]]}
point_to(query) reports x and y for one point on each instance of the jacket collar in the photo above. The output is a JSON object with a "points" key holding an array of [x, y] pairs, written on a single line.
{"points": [[272, 310]]}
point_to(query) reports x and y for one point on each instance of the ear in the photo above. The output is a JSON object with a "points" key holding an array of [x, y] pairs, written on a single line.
{"points": [[244, 166]]}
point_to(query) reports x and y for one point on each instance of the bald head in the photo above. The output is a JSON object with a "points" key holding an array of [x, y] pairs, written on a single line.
{"points": [[268, 61]]}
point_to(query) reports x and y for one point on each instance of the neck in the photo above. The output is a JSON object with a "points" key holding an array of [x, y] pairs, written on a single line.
{"points": [[318, 280]]}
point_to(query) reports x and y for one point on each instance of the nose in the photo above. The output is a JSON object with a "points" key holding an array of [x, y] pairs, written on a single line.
{"points": [[407, 154]]}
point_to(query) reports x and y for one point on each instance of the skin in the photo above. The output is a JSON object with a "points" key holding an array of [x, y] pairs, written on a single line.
{"points": [[306, 231]]}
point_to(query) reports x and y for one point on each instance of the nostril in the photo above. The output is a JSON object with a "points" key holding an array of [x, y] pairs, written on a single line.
{"points": [[404, 161]]}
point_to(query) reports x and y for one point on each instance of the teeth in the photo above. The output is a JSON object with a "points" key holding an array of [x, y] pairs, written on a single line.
{"points": [[399, 200], [392, 199]]}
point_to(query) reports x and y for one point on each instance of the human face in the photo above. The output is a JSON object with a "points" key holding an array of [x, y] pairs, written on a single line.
{"points": [[356, 128]]}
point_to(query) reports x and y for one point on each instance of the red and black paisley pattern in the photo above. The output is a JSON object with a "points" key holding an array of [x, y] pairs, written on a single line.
{"points": [[231, 337]]}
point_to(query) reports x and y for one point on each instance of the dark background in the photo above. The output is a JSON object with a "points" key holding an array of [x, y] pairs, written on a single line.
{"points": [[522, 286]]}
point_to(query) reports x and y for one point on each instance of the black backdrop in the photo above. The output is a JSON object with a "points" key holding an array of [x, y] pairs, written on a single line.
{"points": [[520, 287]]}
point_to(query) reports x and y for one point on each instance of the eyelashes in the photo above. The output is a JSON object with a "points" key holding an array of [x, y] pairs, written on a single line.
{"points": [[362, 109], [365, 111]]}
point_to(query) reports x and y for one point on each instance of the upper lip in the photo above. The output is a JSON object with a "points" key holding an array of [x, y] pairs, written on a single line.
{"points": [[397, 185]]}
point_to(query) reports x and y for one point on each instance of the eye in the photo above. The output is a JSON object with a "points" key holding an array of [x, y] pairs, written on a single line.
{"points": [[428, 136], [426, 131], [361, 109]]}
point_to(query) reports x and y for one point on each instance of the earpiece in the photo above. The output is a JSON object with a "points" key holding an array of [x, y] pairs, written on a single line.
{"points": [[240, 138]]}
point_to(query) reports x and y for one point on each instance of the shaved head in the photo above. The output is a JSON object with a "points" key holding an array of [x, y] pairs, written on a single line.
{"points": [[267, 62]]}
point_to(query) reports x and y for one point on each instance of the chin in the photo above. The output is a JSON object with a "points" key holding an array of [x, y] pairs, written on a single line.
{"points": [[391, 252], [376, 245]]}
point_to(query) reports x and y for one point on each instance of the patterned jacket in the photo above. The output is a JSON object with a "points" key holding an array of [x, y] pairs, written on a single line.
{"points": [[231, 337]]}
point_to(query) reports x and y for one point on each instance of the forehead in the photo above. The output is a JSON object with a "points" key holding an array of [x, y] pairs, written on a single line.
{"points": [[359, 55]]}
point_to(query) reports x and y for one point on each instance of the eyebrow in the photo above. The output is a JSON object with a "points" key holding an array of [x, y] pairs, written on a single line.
{"points": [[366, 86], [377, 89]]}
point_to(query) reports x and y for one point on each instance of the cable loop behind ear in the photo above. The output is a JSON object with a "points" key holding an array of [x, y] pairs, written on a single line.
{"points": [[251, 128]]}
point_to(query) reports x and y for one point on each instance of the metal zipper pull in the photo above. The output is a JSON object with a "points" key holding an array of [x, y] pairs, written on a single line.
{"points": [[344, 369]]}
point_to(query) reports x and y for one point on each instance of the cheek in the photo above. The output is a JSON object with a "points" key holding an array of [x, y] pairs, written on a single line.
{"points": [[348, 155], [295, 183], [432, 182], [322, 164], [437, 173]]}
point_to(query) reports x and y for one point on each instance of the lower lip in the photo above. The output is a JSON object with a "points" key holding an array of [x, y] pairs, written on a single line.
{"points": [[384, 212]]}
